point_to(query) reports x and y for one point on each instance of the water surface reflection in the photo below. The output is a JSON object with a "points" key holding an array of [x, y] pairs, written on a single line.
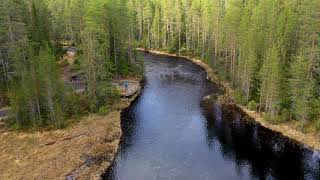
{"points": [[168, 135]]}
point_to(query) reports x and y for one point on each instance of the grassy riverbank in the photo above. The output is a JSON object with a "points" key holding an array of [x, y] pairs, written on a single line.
{"points": [[310, 138], [83, 150]]}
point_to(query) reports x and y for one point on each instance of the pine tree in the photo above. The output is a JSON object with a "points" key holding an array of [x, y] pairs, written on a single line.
{"points": [[13, 19], [38, 90], [51, 87], [247, 65], [232, 19], [92, 54], [39, 27], [106, 47], [269, 92], [156, 27], [302, 87]]}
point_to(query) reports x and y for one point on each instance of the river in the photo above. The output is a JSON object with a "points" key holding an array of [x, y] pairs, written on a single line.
{"points": [[167, 134]]}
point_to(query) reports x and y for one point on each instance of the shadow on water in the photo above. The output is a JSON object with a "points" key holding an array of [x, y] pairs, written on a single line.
{"points": [[168, 135], [269, 154]]}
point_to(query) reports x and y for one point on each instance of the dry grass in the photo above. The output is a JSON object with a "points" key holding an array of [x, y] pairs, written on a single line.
{"points": [[84, 150], [56, 154], [289, 129]]}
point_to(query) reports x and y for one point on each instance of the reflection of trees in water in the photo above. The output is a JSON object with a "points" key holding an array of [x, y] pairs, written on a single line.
{"points": [[311, 162], [268, 154], [129, 122], [181, 77], [128, 126]]}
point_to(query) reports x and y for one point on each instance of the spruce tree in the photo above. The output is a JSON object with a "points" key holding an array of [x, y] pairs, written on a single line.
{"points": [[301, 87]]}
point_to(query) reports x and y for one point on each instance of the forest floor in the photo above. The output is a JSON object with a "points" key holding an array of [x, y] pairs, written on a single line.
{"points": [[84, 150], [310, 138]]}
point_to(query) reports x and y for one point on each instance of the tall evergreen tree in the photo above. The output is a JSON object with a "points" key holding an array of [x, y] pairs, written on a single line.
{"points": [[302, 86], [269, 92]]}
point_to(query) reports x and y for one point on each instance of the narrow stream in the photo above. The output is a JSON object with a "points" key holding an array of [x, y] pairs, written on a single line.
{"points": [[168, 135]]}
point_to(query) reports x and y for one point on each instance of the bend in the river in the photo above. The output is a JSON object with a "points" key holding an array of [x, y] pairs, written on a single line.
{"points": [[168, 135]]}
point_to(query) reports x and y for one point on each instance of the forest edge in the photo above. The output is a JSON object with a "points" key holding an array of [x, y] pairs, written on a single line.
{"points": [[85, 150]]}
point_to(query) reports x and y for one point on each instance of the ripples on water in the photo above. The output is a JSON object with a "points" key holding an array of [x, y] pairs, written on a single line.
{"points": [[167, 135]]}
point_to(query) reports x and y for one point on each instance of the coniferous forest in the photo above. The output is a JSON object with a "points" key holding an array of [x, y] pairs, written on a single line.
{"points": [[32, 37], [268, 51], [159, 89]]}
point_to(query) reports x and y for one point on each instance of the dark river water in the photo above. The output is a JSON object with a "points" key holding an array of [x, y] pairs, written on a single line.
{"points": [[168, 135]]}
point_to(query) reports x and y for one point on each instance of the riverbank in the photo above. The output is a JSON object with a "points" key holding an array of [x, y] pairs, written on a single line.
{"points": [[82, 151], [310, 139]]}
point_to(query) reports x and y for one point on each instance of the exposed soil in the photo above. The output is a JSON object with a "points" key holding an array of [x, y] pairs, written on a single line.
{"points": [[289, 129]]}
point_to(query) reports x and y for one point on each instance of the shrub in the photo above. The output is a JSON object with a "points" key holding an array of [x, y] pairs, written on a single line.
{"points": [[64, 63], [76, 104], [173, 49], [315, 110], [183, 49], [104, 110], [252, 105], [274, 119], [76, 66], [107, 95], [285, 115], [318, 125], [239, 98], [137, 68]]}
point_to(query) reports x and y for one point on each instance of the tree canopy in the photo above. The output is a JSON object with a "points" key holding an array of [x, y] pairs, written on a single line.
{"points": [[33, 33], [269, 50]]}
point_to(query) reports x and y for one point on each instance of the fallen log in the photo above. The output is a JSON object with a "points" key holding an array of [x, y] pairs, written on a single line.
{"points": [[65, 139]]}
